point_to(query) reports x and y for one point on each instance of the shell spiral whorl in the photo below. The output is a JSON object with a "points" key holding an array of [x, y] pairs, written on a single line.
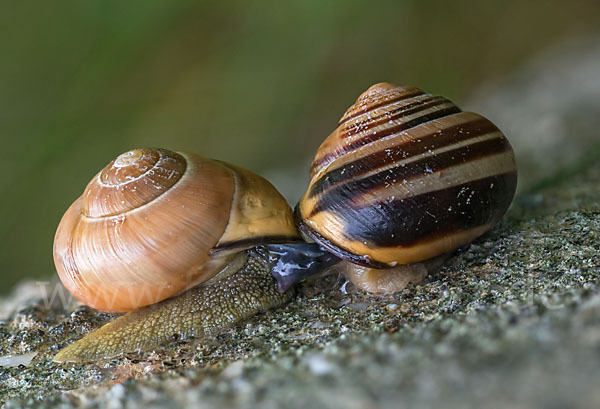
{"points": [[406, 176], [132, 180]]}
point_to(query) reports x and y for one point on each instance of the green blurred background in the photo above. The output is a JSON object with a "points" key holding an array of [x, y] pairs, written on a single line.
{"points": [[256, 83]]}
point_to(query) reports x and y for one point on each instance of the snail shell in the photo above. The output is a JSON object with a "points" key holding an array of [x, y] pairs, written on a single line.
{"points": [[154, 223], [405, 177]]}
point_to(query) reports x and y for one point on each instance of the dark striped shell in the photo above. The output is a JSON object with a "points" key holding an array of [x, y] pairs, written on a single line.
{"points": [[406, 176]]}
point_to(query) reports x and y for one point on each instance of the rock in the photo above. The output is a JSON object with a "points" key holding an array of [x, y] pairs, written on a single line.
{"points": [[512, 321]]}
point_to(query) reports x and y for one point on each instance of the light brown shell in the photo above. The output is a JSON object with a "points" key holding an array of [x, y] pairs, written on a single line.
{"points": [[406, 176], [154, 223]]}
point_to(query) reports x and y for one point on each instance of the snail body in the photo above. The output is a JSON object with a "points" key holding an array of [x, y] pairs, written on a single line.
{"points": [[405, 177], [201, 310]]}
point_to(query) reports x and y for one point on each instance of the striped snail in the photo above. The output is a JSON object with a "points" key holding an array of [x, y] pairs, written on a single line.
{"points": [[404, 180], [406, 177]]}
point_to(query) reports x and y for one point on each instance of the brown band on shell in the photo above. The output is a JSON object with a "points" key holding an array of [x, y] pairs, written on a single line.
{"points": [[408, 221], [421, 149], [379, 96], [359, 142], [372, 121], [351, 191]]}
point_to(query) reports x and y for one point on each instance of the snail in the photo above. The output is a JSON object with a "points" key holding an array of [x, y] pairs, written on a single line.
{"points": [[404, 180], [155, 223]]}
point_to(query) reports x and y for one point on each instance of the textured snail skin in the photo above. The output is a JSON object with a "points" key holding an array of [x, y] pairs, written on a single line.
{"points": [[406, 177], [154, 223], [199, 311]]}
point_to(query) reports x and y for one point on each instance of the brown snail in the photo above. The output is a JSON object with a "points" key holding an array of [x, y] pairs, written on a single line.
{"points": [[154, 223], [404, 180]]}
